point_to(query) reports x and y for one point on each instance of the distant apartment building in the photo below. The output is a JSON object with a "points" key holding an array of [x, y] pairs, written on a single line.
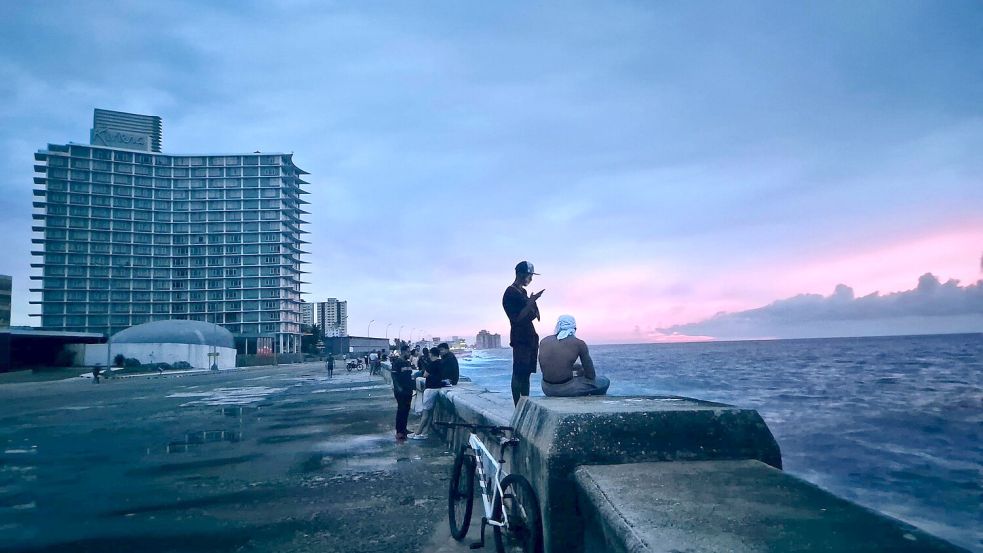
{"points": [[127, 235], [307, 314], [6, 286], [332, 315], [487, 340]]}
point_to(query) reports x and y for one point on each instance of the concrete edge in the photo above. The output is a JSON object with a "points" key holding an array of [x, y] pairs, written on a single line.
{"points": [[619, 534]]}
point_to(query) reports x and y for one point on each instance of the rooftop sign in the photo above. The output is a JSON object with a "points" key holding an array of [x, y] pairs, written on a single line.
{"points": [[120, 139]]}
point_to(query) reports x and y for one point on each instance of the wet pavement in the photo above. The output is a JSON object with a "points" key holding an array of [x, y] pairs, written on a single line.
{"points": [[264, 459]]}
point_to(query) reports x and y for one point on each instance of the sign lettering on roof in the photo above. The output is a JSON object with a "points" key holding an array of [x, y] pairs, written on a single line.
{"points": [[120, 139]]}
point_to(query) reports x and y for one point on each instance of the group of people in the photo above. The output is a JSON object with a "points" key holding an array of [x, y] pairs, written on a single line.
{"points": [[568, 370], [420, 372], [372, 360]]}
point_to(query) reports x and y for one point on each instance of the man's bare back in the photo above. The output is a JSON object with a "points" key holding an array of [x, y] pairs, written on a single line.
{"points": [[557, 358]]}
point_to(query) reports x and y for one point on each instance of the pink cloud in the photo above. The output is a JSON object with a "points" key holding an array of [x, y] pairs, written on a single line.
{"points": [[610, 303]]}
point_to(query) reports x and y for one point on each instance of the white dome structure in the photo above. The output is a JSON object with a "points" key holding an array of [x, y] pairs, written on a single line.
{"points": [[176, 332], [197, 343]]}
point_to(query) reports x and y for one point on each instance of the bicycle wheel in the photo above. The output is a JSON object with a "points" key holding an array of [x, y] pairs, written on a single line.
{"points": [[460, 500], [524, 531]]}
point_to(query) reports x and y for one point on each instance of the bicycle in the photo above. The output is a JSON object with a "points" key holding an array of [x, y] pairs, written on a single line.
{"points": [[509, 500]]}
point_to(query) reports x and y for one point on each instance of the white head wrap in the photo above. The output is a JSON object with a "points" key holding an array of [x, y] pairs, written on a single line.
{"points": [[565, 326]]}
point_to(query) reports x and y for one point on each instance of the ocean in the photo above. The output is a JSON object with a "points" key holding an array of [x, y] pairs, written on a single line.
{"points": [[892, 423]]}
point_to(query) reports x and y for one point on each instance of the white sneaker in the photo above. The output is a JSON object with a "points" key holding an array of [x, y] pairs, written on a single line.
{"points": [[419, 437]]}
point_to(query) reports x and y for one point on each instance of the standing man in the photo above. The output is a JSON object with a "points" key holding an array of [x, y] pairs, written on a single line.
{"points": [[402, 377], [330, 365], [521, 309]]}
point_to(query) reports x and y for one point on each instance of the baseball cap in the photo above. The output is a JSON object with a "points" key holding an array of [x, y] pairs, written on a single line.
{"points": [[525, 268]]}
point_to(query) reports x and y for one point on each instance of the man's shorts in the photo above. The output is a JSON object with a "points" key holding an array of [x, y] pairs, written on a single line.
{"points": [[524, 359]]}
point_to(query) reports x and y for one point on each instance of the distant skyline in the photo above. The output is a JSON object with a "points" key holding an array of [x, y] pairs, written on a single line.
{"points": [[661, 165]]}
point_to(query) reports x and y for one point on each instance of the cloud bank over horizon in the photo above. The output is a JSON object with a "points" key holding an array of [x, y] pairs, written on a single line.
{"points": [[932, 307]]}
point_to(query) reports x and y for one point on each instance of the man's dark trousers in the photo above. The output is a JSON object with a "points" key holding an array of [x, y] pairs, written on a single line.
{"points": [[523, 365], [403, 402]]}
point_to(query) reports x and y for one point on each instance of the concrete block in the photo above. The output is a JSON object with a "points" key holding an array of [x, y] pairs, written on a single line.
{"points": [[560, 434], [734, 506], [469, 403]]}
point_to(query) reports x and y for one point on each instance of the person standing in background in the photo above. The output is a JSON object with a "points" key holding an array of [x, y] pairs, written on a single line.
{"points": [[521, 309], [402, 377]]}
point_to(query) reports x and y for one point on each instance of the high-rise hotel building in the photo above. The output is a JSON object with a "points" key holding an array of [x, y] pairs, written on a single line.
{"points": [[127, 235]]}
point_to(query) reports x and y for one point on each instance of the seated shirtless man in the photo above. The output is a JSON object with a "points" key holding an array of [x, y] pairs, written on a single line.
{"points": [[562, 375]]}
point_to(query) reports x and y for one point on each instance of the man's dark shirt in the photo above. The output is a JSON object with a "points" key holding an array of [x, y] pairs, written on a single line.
{"points": [[523, 333], [402, 379], [434, 374], [450, 368]]}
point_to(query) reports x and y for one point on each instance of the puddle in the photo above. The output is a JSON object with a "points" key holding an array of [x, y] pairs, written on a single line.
{"points": [[193, 439], [237, 411], [228, 396], [352, 445]]}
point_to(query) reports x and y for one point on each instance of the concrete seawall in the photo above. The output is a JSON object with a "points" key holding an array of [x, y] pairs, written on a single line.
{"points": [[640, 474]]}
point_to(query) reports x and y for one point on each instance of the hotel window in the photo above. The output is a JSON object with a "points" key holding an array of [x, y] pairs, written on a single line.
{"points": [[182, 173], [123, 168], [196, 161], [100, 177], [101, 154], [124, 156], [215, 172], [80, 199]]}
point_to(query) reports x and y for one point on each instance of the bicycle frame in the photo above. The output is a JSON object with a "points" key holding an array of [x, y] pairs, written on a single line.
{"points": [[483, 456]]}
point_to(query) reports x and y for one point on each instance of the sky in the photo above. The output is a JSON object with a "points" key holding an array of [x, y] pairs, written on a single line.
{"points": [[664, 165]]}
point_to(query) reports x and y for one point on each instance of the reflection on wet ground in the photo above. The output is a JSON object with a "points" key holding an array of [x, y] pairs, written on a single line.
{"points": [[299, 463]]}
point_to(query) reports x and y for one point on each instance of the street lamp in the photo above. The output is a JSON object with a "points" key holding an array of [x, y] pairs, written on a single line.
{"points": [[368, 330], [400, 335], [387, 331]]}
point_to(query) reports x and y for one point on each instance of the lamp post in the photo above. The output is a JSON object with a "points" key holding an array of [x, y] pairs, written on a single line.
{"points": [[411, 334], [368, 330], [400, 335]]}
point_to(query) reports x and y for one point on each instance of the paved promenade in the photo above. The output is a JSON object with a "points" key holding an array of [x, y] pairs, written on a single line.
{"points": [[262, 459]]}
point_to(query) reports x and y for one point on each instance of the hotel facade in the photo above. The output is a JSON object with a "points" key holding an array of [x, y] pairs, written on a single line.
{"points": [[126, 235]]}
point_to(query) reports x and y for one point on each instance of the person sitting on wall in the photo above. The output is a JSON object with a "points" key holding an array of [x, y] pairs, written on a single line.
{"points": [[448, 364], [433, 381], [562, 375]]}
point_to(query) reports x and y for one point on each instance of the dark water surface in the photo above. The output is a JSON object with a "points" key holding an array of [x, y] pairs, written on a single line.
{"points": [[893, 423]]}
